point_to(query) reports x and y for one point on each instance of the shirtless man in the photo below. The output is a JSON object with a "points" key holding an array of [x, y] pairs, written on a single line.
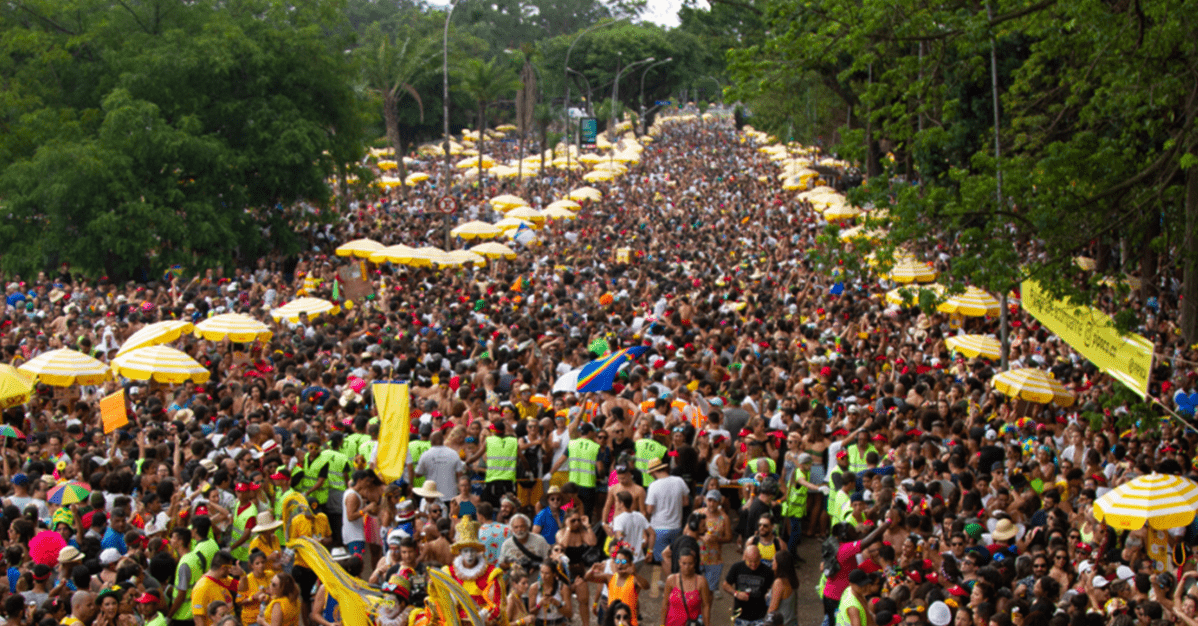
{"points": [[624, 473], [434, 549]]}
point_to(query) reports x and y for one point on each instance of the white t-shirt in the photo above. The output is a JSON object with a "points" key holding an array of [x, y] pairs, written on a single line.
{"points": [[631, 526], [442, 466], [668, 497]]}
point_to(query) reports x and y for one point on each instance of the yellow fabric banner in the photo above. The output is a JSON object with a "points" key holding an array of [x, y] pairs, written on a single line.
{"points": [[395, 422], [1091, 332]]}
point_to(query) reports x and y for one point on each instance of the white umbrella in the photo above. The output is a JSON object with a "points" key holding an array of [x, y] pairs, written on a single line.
{"points": [[567, 382]]}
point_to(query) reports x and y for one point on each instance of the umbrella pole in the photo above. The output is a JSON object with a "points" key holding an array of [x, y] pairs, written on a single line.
{"points": [[1002, 329]]}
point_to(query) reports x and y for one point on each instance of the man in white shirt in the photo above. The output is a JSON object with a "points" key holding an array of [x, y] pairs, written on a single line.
{"points": [[632, 528], [664, 502]]}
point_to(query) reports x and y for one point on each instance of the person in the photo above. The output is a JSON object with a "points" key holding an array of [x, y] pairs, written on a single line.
{"points": [[215, 585], [692, 533], [851, 610], [283, 609], [582, 456], [397, 614], [483, 581], [619, 614], [359, 502], [623, 583], [108, 603], [848, 559], [666, 497], [253, 588], [766, 540], [524, 547], [687, 595], [83, 608], [501, 451], [440, 466], [794, 503], [748, 581], [244, 518], [575, 541], [632, 528], [147, 607], [550, 597], [549, 520], [784, 593]]}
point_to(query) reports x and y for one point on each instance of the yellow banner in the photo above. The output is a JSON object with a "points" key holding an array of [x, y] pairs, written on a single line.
{"points": [[1092, 333], [395, 422]]}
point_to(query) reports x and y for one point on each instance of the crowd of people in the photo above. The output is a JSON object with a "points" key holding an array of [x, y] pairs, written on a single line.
{"points": [[771, 412]]}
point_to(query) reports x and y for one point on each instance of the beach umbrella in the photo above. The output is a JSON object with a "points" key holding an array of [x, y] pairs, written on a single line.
{"points": [[527, 213], [507, 201], [513, 223], [973, 303], [161, 363], [15, 387], [973, 346], [361, 248], [470, 162], [304, 307], [391, 254], [68, 493], [839, 212], [415, 178], [559, 213], [461, 257], [234, 327], [10, 432], [476, 230], [1032, 385], [64, 367], [564, 204], [1162, 501], [586, 193], [568, 382], [907, 270], [599, 176], [1085, 263], [494, 250], [156, 333], [426, 256]]}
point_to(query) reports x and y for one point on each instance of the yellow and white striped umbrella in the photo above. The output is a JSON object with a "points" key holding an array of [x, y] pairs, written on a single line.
{"points": [[528, 214], [1085, 263], [361, 248], [507, 202], [425, 256], [161, 363], [909, 296], [908, 270], [461, 257], [391, 254], [476, 230], [1162, 501], [559, 213], [599, 176], [234, 327], [304, 307], [838, 212], [513, 223], [862, 232], [586, 193], [472, 162], [973, 346], [415, 178], [15, 387], [973, 303], [564, 204], [494, 250], [64, 367], [590, 157], [156, 333], [1032, 385]]}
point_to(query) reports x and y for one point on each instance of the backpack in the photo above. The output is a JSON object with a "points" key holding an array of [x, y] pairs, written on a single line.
{"points": [[828, 551]]}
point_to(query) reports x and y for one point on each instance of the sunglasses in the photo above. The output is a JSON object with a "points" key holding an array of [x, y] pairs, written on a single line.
{"points": [[621, 561], [956, 544]]}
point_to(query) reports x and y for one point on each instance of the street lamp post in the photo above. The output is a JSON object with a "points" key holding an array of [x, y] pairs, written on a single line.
{"points": [[445, 112], [588, 83], [566, 79], [642, 97], [615, 91]]}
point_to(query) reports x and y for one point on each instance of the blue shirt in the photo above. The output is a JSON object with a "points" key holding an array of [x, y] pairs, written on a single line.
{"points": [[113, 539], [14, 574], [548, 525]]}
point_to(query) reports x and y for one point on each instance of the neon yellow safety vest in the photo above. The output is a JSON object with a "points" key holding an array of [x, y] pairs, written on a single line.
{"points": [[796, 496], [581, 455], [417, 450], [242, 553], [848, 601], [857, 462], [349, 447], [194, 567], [312, 476], [646, 450], [337, 465], [501, 458]]}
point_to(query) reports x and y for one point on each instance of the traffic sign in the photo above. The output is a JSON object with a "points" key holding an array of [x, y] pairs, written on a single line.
{"points": [[662, 103], [448, 205]]}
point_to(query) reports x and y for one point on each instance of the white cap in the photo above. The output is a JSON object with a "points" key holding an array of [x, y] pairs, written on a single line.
{"points": [[1100, 582], [108, 556], [939, 615], [1125, 573]]}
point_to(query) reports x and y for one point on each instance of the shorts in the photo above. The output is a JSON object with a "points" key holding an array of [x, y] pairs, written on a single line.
{"points": [[306, 580], [356, 548], [493, 491], [664, 538]]}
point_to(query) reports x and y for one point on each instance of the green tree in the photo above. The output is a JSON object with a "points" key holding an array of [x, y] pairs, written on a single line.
{"points": [[486, 82], [389, 68]]}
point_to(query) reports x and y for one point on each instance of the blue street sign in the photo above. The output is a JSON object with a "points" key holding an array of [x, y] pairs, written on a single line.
{"points": [[662, 103], [588, 128]]}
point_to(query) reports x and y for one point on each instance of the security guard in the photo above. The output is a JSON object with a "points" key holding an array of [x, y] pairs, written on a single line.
{"points": [[416, 449], [795, 504], [339, 466], [582, 457], [647, 449], [315, 467], [501, 464]]}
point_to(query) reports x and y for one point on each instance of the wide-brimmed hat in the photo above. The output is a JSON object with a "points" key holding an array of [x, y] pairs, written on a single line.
{"points": [[69, 554], [657, 466], [428, 490], [266, 522], [1004, 530]]}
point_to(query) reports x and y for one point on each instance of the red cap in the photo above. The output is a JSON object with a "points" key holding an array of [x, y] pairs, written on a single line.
{"points": [[247, 487], [279, 476], [841, 454], [147, 598], [201, 510], [661, 431]]}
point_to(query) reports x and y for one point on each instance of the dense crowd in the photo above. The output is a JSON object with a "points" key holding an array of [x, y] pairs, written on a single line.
{"points": [[773, 407]]}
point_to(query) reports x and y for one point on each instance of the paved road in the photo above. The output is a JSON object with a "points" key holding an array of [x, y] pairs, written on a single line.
{"points": [[811, 610]]}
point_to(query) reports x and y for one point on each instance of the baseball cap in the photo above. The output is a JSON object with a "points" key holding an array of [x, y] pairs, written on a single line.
{"points": [[1100, 582], [109, 556], [714, 494]]}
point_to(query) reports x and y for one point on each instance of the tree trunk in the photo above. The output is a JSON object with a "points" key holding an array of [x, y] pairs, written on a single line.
{"points": [[1189, 302], [1148, 257], [391, 119], [343, 186], [482, 112]]}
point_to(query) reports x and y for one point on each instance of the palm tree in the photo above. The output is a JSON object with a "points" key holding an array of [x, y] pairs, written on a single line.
{"points": [[486, 82], [389, 68]]}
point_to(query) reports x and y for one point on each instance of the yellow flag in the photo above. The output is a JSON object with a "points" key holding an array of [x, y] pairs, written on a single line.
{"points": [[395, 422]]}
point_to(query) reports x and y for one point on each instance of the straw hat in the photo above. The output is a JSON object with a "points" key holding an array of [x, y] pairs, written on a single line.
{"points": [[266, 522], [429, 490]]}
